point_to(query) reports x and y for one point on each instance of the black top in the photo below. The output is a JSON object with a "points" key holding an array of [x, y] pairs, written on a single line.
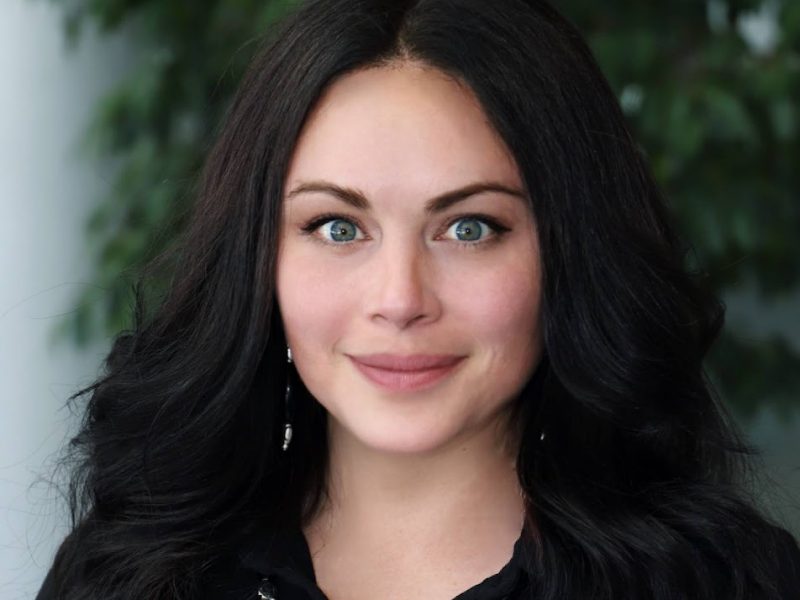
{"points": [[279, 567]]}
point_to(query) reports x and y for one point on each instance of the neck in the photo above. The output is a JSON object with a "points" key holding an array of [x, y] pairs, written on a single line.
{"points": [[422, 498]]}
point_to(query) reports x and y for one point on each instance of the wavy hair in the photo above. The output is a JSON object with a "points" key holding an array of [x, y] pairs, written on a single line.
{"points": [[636, 490]]}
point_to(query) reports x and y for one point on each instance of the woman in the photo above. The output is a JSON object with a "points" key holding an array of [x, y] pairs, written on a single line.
{"points": [[429, 336]]}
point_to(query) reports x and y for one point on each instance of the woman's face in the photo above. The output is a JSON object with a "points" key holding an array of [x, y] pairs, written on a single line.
{"points": [[408, 272]]}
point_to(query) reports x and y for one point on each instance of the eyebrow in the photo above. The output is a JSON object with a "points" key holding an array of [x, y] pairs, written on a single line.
{"points": [[357, 199]]}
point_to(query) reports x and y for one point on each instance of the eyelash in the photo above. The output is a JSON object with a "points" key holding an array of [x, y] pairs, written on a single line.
{"points": [[497, 229]]}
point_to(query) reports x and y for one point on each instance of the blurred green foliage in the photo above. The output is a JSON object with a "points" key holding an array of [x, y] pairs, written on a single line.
{"points": [[714, 107]]}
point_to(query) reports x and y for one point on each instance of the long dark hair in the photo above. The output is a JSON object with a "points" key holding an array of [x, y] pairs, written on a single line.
{"points": [[635, 490]]}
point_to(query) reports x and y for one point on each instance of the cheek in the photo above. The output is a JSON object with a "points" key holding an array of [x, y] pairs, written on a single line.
{"points": [[501, 308], [507, 333], [313, 299]]}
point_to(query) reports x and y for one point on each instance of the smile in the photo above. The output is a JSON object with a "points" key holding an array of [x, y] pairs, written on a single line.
{"points": [[405, 373]]}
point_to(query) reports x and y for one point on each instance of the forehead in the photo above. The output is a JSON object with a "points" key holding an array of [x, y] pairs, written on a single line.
{"points": [[400, 131]]}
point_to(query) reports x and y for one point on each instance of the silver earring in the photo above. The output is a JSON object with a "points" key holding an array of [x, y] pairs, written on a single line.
{"points": [[287, 427]]}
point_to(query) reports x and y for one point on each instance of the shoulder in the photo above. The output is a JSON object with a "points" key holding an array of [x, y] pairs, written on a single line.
{"points": [[48, 589], [787, 557]]}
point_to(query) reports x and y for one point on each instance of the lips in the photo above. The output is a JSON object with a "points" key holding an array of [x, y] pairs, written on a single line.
{"points": [[405, 372]]}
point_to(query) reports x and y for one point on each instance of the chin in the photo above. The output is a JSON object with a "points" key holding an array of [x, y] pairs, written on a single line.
{"points": [[394, 439]]}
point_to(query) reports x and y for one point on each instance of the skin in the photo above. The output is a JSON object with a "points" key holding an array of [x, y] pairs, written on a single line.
{"points": [[411, 466]]}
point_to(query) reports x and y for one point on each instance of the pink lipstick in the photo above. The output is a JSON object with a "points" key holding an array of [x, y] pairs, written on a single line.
{"points": [[403, 373]]}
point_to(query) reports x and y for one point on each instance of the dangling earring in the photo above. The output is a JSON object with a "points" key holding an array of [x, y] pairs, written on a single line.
{"points": [[287, 427]]}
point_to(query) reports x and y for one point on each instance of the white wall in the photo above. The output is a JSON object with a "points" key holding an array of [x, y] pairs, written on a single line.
{"points": [[46, 190]]}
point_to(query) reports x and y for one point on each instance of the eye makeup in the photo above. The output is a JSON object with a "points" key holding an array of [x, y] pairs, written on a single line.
{"points": [[311, 228]]}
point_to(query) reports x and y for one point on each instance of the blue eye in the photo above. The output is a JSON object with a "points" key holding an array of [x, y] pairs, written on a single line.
{"points": [[469, 229], [339, 231]]}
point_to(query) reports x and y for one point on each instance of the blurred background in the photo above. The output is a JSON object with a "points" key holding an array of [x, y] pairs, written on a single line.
{"points": [[108, 107]]}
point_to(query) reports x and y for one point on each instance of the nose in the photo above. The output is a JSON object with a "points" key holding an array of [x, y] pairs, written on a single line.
{"points": [[402, 288]]}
